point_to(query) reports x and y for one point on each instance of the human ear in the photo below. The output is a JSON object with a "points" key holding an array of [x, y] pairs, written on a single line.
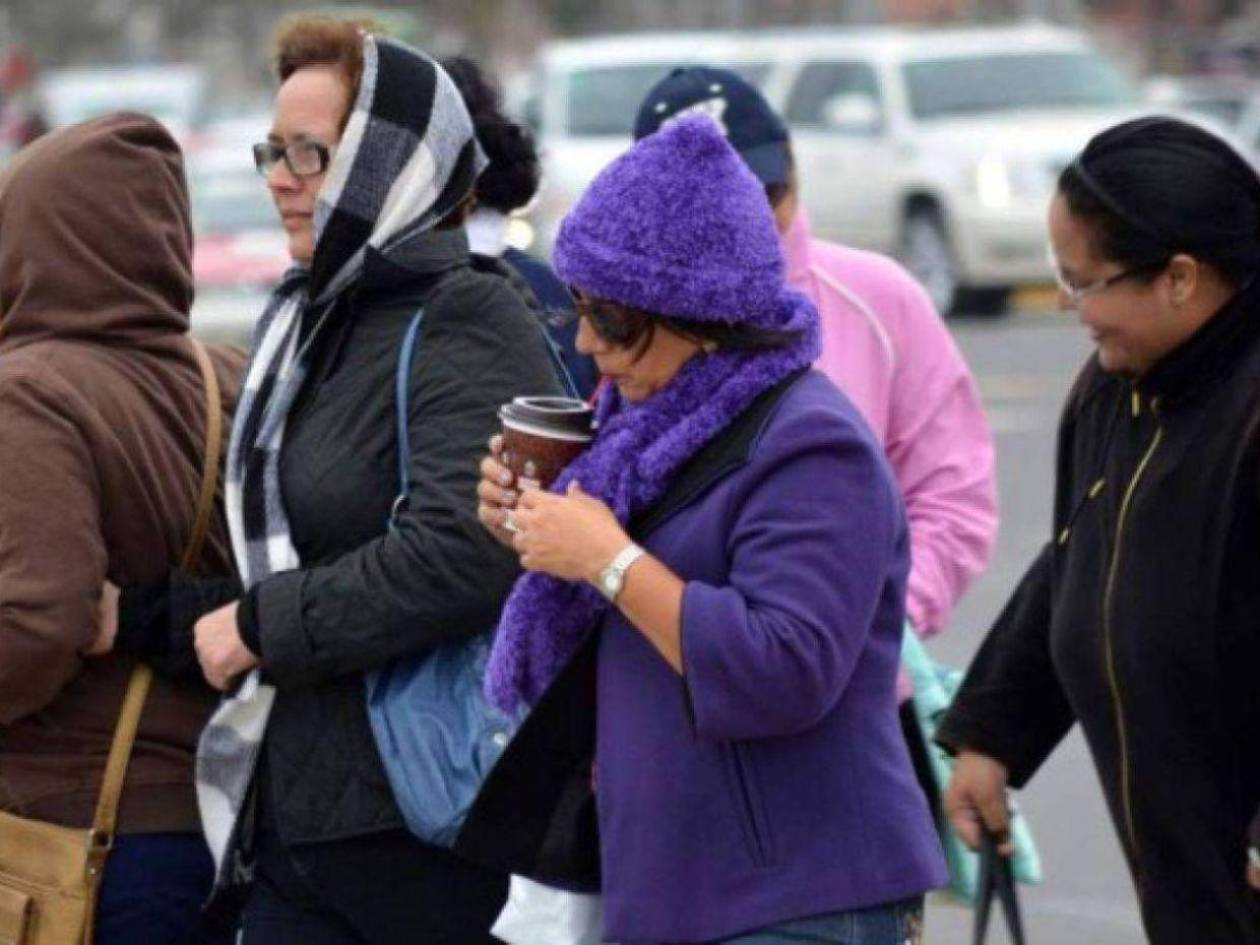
{"points": [[1183, 277]]}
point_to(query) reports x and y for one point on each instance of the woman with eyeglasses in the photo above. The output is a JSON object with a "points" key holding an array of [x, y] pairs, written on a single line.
{"points": [[1138, 619], [370, 161], [728, 562]]}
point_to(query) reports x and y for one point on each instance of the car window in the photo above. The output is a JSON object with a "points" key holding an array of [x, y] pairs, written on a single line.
{"points": [[603, 101], [939, 88], [821, 82], [1224, 109]]}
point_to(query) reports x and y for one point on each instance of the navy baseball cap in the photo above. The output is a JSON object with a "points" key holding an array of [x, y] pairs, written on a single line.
{"points": [[743, 114]]}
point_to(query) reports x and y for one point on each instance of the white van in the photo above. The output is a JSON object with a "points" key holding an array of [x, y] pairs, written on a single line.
{"points": [[174, 94], [939, 146]]}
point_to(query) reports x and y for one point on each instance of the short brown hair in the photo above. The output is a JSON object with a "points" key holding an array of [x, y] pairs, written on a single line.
{"points": [[315, 40]]}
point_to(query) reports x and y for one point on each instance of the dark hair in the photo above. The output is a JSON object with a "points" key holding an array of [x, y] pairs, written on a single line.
{"points": [[628, 327], [1154, 187], [512, 178]]}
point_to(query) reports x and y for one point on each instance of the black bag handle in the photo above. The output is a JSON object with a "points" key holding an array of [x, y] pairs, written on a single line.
{"points": [[996, 880]]}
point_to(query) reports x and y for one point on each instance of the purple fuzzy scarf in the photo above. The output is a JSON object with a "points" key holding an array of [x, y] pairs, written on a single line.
{"points": [[639, 449]]}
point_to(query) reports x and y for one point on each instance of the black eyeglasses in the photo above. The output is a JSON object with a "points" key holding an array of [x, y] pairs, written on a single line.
{"points": [[302, 158]]}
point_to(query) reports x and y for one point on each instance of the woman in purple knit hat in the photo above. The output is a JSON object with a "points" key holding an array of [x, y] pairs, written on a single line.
{"points": [[730, 555]]}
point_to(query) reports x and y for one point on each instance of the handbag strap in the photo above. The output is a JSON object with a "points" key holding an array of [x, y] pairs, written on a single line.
{"points": [[402, 381], [142, 676], [996, 879]]}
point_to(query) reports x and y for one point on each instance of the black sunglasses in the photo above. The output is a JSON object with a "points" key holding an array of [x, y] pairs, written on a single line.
{"points": [[615, 323], [302, 158]]}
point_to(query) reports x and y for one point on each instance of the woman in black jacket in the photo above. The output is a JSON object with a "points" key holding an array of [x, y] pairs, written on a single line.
{"points": [[370, 161], [1138, 619]]}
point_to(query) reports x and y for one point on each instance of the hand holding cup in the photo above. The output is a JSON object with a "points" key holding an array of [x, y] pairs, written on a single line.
{"points": [[541, 435], [497, 493]]}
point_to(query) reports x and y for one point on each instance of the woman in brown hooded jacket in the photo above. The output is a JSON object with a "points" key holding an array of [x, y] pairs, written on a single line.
{"points": [[102, 436]]}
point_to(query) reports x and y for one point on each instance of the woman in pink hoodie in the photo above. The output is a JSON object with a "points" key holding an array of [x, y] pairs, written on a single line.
{"points": [[884, 345]]}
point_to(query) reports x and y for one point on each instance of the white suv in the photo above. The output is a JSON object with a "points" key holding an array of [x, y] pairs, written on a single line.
{"points": [[938, 146]]}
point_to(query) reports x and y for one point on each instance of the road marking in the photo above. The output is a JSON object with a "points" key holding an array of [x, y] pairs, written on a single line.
{"points": [[1036, 298]]}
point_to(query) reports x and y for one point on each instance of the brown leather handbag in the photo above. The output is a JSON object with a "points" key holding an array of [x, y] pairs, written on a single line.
{"points": [[50, 875]]}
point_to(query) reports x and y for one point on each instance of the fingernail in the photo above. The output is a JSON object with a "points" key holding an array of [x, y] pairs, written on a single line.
{"points": [[509, 496], [505, 478]]}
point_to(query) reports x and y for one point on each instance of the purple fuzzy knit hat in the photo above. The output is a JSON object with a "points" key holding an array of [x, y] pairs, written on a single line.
{"points": [[678, 225]]}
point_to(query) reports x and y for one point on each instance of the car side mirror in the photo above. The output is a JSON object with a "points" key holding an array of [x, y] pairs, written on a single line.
{"points": [[852, 113]]}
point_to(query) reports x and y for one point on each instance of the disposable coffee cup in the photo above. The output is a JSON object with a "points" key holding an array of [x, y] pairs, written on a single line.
{"points": [[542, 435]]}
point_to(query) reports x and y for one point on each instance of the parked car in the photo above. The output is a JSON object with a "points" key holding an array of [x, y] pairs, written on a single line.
{"points": [[939, 146], [1224, 98], [174, 94], [237, 240], [240, 251], [1248, 129]]}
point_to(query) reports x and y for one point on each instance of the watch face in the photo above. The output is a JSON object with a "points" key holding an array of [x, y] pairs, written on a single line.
{"points": [[611, 581]]}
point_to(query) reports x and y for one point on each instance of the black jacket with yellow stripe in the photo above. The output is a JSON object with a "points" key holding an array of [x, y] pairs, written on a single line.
{"points": [[1141, 620]]}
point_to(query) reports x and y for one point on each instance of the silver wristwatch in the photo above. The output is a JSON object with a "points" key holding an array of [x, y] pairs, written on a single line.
{"points": [[613, 578]]}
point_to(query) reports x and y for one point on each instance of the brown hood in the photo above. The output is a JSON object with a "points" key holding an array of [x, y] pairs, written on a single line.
{"points": [[95, 238]]}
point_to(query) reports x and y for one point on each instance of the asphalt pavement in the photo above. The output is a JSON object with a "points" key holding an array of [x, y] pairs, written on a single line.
{"points": [[1025, 364]]}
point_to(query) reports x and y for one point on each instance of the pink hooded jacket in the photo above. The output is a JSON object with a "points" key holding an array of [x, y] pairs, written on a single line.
{"points": [[888, 349]]}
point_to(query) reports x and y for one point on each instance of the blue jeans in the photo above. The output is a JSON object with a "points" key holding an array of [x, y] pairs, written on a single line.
{"points": [[153, 890], [899, 923]]}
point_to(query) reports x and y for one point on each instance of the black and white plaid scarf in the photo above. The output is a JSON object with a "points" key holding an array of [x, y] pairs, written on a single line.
{"points": [[407, 158]]}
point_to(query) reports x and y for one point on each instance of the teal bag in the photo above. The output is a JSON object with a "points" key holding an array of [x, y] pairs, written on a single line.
{"points": [[934, 689]]}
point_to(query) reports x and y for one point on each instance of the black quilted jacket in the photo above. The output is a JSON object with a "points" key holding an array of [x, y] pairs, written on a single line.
{"points": [[366, 595]]}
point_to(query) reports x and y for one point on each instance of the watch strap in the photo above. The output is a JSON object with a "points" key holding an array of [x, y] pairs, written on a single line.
{"points": [[617, 569], [626, 557]]}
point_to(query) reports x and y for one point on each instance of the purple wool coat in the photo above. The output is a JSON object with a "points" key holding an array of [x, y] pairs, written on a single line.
{"points": [[771, 781]]}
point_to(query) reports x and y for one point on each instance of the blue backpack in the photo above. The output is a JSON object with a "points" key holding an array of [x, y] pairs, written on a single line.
{"points": [[437, 734]]}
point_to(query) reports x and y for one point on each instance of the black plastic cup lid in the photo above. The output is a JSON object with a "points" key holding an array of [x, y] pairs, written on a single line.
{"points": [[560, 414]]}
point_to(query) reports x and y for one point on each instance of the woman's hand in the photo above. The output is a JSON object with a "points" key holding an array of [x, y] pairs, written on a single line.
{"points": [[106, 622], [222, 654], [572, 536], [495, 495], [977, 795]]}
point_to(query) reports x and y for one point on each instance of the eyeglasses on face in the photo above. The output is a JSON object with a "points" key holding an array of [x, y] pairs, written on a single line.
{"points": [[302, 158], [1075, 294], [611, 321]]}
